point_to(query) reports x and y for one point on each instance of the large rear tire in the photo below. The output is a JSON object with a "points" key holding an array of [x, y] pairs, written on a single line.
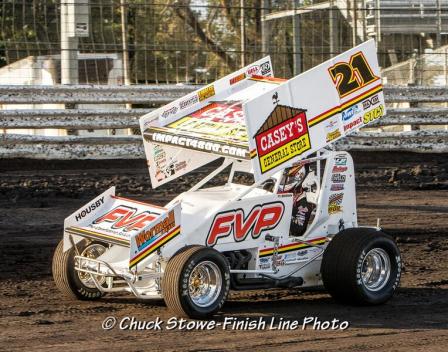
{"points": [[361, 266], [67, 279], [196, 282]]}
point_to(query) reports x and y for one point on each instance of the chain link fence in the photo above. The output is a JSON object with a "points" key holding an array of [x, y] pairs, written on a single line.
{"points": [[197, 41]]}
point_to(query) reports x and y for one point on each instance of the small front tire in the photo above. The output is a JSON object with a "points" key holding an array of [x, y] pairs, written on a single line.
{"points": [[67, 279], [196, 282]]}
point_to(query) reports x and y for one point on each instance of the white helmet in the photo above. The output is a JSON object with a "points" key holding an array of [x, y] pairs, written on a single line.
{"points": [[292, 177]]}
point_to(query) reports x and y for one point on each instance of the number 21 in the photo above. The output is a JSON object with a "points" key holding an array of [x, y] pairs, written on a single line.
{"points": [[351, 76]]}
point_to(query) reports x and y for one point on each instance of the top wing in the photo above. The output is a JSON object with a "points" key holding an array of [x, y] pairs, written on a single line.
{"points": [[314, 109], [274, 123]]}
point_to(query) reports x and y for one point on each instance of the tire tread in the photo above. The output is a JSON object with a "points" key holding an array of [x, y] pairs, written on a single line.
{"points": [[171, 279]]}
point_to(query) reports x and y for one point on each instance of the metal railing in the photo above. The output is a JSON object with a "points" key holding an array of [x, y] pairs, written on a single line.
{"points": [[419, 138]]}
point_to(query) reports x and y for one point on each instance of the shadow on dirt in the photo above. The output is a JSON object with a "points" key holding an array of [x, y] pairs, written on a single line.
{"points": [[414, 306]]}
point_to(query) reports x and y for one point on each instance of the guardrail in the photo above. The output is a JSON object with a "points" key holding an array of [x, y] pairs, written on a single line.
{"points": [[110, 147]]}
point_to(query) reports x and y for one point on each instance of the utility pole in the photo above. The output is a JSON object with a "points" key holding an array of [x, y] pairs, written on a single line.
{"points": [[69, 45], [332, 29], [243, 34], [265, 33], [378, 22], [439, 25], [355, 23], [124, 39], [297, 53]]}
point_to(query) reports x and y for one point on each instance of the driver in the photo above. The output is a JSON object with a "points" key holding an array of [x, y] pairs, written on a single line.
{"points": [[291, 182]]}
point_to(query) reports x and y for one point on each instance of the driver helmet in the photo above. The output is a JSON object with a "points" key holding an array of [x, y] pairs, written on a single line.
{"points": [[292, 177]]}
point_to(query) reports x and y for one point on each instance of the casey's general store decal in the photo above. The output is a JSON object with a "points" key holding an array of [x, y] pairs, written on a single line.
{"points": [[284, 135]]}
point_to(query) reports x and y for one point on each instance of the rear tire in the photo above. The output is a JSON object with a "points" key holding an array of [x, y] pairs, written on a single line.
{"points": [[66, 277], [361, 266], [196, 282]]}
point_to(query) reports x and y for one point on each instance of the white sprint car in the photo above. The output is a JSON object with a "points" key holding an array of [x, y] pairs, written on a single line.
{"points": [[294, 225]]}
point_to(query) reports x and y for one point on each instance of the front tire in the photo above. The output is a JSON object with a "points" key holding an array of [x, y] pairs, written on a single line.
{"points": [[196, 282], [69, 282], [361, 266]]}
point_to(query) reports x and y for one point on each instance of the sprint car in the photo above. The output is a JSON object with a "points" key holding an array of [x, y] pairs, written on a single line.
{"points": [[278, 210]]}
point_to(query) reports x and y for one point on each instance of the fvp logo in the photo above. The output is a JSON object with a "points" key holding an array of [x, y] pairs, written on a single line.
{"points": [[234, 222], [125, 218]]}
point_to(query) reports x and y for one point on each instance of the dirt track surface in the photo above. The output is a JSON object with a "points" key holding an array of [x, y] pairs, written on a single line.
{"points": [[407, 192]]}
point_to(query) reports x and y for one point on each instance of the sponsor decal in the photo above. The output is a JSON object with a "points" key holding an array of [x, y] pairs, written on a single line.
{"points": [[333, 208], [197, 144], [349, 115], [339, 108], [340, 160], [171, 110], [332, 129], [305, 255], [235, 223], [369, 102], [265, 68], [164, 226], [300, 218], [219, 112], [333, 135], [89, 209], [160, 161], [237, 78], [288, 257], [154, 244], [218, 119], [336, 198], [125, 218], [337, 187], [373, 114], [292, 247], [338, 178], [352, 124], [350, 112], [253, 70], [206, 93], [338, 169], [164, 167], [331, 124], [283, 135], [334, 203], [189, 101]]}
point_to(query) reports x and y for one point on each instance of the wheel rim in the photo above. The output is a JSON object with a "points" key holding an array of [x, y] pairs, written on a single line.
{"points": [[92, 251], [205, 283], [375, 272]]}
